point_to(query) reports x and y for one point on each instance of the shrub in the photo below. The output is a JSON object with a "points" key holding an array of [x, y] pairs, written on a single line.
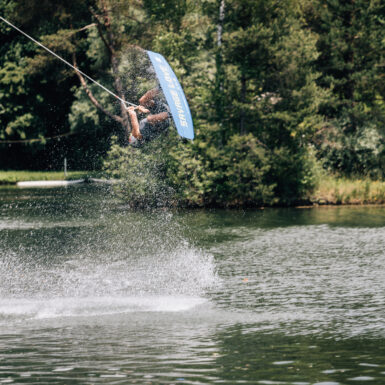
{"points": [[141, 173]]}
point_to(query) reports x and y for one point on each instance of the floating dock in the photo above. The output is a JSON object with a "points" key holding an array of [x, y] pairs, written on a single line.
{"points": [[103, 181], [59, 183], [49, 183]]}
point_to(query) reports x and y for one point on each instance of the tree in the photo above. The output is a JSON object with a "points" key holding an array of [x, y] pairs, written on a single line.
{"points": [[269, 90], [34, 103], [351, 63], [77, 23]]}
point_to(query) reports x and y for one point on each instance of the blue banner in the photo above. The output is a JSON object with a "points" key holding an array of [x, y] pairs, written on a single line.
{"points": [[174, 94]]}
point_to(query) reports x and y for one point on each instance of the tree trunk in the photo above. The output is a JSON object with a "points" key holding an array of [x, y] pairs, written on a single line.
{"points": [[219, 77], [243, 101], [220, 22]]}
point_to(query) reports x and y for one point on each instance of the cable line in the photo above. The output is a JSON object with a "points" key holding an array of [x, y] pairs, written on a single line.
{"points": [[66, 62], [36, 139]]}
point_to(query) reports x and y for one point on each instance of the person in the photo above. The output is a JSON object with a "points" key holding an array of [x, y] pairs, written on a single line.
{"points": [[154, 124]]}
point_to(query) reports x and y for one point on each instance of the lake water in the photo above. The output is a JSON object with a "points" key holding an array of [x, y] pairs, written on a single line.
{"points": [[92, 293]]}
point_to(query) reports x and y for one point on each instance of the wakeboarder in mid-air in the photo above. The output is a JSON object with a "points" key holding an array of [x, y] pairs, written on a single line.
{"points": [[154, 124], [175, 108]]}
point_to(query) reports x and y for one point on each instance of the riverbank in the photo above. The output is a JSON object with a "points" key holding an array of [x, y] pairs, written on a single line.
{"points": [[12, 177], [343, 191], [331, 190]]}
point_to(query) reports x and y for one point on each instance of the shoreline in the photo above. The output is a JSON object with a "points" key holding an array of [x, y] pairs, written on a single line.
{"points": [[332, 191], [11, 178], [333, 205]]}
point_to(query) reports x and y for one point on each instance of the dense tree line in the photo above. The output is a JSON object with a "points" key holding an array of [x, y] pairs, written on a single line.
{"points": [[279, 91]]}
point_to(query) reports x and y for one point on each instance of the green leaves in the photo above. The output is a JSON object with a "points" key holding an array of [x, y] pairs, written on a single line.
{"points": [[141, 173], [285, 81], [352, 51], [15, 117], [170, 12]]}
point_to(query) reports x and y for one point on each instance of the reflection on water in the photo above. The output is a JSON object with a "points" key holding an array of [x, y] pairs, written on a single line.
{"points": [[93, 293]]}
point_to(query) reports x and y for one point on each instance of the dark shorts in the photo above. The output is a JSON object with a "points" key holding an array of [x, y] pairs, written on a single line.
{"points": [[152, 131]]}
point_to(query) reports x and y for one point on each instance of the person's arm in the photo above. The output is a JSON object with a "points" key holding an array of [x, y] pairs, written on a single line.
{"points": [[147, 99], [134, 123], [152, 119], [142, 109]]}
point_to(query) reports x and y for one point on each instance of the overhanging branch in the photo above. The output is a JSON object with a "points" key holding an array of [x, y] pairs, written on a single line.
{"points": [[92, 97]]}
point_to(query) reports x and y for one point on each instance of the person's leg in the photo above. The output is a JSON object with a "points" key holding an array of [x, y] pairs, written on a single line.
{"points": [[145, 129], [135, 129]]}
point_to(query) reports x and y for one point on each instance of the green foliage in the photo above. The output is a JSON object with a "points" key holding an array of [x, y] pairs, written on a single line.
{"points": [[173, 172], [169, 12], [187, 173], [141, 172], [269, 93], [16, 112], [337, 190], [35, 89], [244, 167], [352, 53], [296, 174], [83, 115], [277, 88], [361, 152], [234, 175]]}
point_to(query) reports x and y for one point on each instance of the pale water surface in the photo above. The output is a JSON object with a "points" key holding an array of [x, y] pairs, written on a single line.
{"points": [[92, 293]]}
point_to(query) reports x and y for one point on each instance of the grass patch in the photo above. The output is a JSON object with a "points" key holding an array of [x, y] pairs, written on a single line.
{"points": [[12, 177], [334, 190]]}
